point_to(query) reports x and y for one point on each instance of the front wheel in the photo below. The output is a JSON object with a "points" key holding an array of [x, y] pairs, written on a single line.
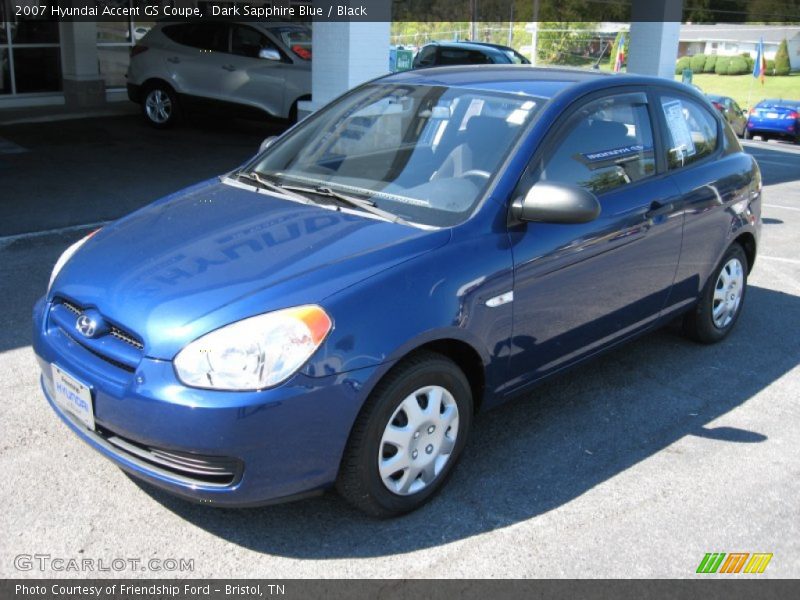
{"points": [[722, 299], [408, 437]]}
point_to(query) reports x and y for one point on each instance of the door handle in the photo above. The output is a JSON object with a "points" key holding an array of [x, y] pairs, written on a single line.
{"points": [[174, 60], [658, 209], [229, 67]]}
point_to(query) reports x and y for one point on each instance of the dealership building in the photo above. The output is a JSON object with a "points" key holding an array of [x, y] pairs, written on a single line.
{"points": [[83, 64]]}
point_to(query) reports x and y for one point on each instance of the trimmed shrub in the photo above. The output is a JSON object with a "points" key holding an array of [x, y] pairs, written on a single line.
{"points": [[711, 62], [749, 60], [698, 62], [684, 62], [770, 66], [721, 68], [782, 65], [737, 66]]}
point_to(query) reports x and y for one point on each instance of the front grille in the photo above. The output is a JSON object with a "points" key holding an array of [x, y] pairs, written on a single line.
{"points": [[127, 338], [118, 333], [108, 359], [116, 346], [221, 471]]}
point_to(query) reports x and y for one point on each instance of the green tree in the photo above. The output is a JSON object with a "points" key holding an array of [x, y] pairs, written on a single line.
{"points": [[782, 65]]}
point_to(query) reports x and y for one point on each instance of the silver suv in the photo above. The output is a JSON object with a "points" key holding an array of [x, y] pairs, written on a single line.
{"points": [[246, 69]]}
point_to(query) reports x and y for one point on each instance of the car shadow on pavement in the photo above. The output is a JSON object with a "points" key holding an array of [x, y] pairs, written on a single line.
{"points": [[541, 451]]}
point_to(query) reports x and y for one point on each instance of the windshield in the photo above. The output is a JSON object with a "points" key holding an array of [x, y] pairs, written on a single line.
{"points": [[423, 153]]}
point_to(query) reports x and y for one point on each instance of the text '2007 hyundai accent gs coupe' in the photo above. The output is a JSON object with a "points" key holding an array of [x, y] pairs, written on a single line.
{"points": [[336, 311]]}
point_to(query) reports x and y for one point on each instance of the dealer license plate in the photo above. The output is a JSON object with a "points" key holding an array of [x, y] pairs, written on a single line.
{"points": [[73, 396]]}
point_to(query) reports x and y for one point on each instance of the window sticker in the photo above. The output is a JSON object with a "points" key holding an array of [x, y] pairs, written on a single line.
{"points": [[679, 128], [613, 153]]}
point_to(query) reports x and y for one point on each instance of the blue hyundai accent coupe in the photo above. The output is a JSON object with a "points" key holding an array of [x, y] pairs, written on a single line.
{"points": [[336, 311]]}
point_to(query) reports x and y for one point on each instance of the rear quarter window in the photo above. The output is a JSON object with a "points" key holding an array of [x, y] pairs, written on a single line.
{"points": [[691, 131]]}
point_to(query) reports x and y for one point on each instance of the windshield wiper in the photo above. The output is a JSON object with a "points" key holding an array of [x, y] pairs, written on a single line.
{"points": [[363, 204], [273, 187]]}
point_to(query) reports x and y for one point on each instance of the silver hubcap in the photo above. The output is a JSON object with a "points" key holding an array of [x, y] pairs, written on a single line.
{"points": [[158, 106], [728, 293], [418, 440]]}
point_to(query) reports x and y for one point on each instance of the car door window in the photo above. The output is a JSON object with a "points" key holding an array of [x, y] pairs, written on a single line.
{"points": [[691, 132], [608, 144], [205, 36], [246, 41]]}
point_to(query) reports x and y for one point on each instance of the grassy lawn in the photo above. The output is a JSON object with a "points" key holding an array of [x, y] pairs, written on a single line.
{"points": [[738, 86]]}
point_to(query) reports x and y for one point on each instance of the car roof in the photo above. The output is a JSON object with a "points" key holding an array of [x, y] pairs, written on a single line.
{"points": [[470, 45], [544, 82], [780, 101]]}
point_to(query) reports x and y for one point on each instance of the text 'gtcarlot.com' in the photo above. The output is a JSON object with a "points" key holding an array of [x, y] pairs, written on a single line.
{"points": [[48, 562]]}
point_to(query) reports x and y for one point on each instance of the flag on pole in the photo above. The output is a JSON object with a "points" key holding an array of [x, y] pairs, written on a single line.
{"points": [[760, 65], [620, 59]]}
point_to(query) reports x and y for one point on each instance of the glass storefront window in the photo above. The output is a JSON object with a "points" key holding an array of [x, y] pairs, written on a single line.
{"points": [[113, 64], [37, 69], [117, 33], [5, 71]]}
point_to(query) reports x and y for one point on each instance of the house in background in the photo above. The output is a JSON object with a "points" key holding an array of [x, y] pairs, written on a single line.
{"points": [[729, 39]]}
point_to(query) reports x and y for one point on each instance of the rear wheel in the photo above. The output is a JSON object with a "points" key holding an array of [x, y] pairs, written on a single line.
{"points": [[721, 301], [408, 437], [160, 105]]}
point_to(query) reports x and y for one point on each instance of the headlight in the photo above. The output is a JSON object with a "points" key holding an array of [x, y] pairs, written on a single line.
{"points": [[254, 353], [65, 256]]}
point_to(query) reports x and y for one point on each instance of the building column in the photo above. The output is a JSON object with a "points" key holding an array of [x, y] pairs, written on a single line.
{"points": [[346, 54], [83, 86], [655, 31]]}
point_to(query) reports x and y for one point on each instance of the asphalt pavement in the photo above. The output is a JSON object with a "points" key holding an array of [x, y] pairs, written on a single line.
{"points": [[635, 465]]}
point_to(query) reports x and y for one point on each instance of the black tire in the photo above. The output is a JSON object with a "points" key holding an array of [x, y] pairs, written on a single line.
{"points": [[155, 93], [359, 480], [699, 323]]}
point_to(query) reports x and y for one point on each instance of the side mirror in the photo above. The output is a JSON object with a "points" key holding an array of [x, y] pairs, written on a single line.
{"points": [[269, 54], [267, 143], [549, 202]]}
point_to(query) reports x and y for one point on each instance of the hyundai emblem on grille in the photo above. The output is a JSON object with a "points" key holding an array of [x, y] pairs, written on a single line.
{"points": [[86, 326]]}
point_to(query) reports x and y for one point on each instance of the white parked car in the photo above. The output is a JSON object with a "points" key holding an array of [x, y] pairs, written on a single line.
{"points": [[246, 69]]}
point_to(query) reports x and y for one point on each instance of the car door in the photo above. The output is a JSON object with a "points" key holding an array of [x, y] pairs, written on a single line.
{"points": [[248, 79], [197, 57], [579, 288], [712, 175]]}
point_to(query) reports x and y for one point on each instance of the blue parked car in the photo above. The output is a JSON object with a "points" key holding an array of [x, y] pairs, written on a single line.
{"points": [[775, 118], [429, 245]]}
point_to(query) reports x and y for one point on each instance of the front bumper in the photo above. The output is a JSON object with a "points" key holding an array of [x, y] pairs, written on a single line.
{"points": [[286, 441]]}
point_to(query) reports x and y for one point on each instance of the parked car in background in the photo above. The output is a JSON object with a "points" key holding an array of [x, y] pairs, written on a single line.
{"points": [[775, 118], [437, 54], [246, 69], [733, 113], [336, 310]]}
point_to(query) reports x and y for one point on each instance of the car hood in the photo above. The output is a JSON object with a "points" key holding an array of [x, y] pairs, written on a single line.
{"points": [[216, 253]]}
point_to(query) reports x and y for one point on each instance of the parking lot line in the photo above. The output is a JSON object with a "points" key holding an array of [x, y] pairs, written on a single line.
{"points": [[781, 206], [7, 239]]}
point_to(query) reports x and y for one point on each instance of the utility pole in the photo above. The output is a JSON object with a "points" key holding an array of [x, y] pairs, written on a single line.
{"points": [[534, 31], [473, 15]]}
